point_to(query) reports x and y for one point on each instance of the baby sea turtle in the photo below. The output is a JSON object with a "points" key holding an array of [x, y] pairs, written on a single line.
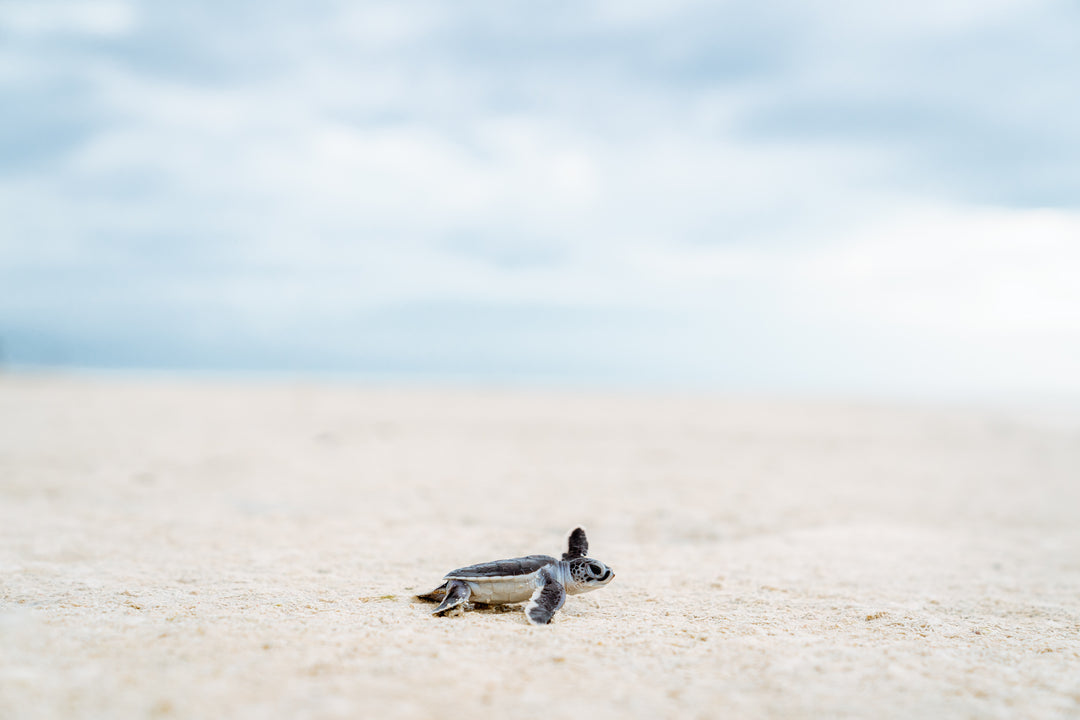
{"points": [[540, 579]]}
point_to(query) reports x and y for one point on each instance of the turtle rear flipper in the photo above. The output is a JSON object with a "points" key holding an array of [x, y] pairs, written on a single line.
{"points": [[457, 593], [546, 601], [435, 595]]}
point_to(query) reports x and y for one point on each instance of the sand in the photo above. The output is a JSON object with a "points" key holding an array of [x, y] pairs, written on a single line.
{"points": [[200, 549]]}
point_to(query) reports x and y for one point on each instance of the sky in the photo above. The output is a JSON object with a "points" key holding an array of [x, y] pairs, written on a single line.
{"points": [[767, 196]]}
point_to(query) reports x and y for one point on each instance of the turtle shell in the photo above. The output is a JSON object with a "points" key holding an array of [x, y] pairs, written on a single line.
{"points": [[514, 567], [502, 581]]}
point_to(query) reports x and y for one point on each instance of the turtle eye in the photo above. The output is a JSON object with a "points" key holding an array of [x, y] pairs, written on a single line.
{"points": [[596, 570]]}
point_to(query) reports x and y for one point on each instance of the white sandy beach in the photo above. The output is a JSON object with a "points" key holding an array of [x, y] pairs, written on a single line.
{"points": [[209, 550]]}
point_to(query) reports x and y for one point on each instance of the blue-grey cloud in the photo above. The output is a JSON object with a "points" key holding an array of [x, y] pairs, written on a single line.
{"points": [[677, 190], [982, 114]]}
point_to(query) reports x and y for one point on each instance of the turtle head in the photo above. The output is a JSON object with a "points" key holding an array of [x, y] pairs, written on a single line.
{"points": [[587, 574]]}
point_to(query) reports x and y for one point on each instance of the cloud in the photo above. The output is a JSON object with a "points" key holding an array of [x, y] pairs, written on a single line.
{"points": [[770, 195], [972, 101], [101, 18]]}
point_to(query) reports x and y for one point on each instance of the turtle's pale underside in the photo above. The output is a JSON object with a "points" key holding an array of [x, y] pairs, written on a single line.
{"points": [[541, 579]]}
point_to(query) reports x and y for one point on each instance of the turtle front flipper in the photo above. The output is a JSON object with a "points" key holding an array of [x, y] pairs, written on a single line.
{"points": [[547, 599], [577, 545], [457, 593]]}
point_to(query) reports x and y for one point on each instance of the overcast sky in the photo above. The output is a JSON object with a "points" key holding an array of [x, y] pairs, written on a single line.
{"points": [[836, 196]]}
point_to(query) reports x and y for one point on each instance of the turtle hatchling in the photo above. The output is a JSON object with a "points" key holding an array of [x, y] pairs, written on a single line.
{"points": [[541, 579]]}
